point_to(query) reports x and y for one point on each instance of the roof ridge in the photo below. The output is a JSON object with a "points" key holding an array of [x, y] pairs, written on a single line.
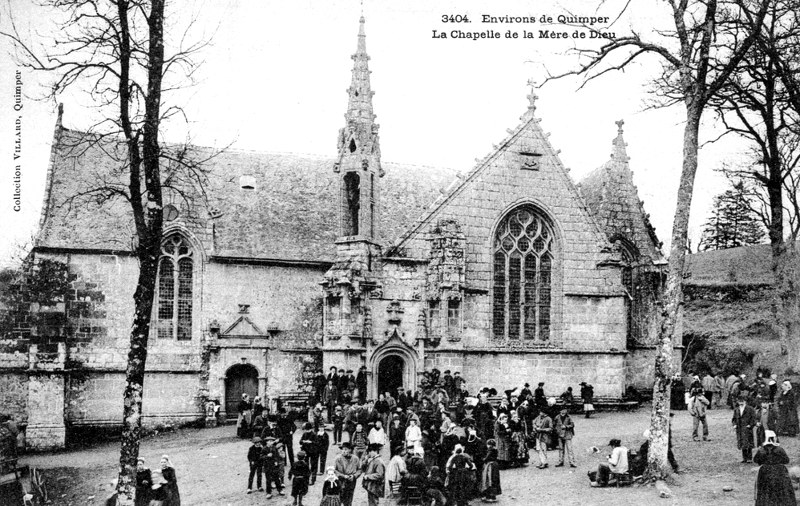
{"points": [[450, 190]]}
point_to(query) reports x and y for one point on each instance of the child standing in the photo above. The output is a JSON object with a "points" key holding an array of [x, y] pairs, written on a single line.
{"points": [[254, 458], [273, 466], [359, 441], [490, 480], [299, 474], [331, 489], [338, 423], [323, 441]]}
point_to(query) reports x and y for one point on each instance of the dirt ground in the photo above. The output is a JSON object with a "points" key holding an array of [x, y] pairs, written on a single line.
{"points": [[212, 468]]}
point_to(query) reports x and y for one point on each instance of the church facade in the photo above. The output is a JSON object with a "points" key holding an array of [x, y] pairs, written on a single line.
{"points": [[289, 264]]}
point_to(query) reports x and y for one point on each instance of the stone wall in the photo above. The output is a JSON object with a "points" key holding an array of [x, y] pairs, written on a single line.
{"points": [[100, 310], [640, 367], [287, 296], [558, 370], [95, 399], [594, 323], [46, 428], [14, 394]]}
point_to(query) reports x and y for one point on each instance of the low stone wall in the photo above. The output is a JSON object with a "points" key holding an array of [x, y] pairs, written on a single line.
{"points": [[558, 369]]}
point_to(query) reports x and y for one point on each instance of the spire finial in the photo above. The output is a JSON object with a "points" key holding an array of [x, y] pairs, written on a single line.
{"points": [[619, 152], [362, 37]]}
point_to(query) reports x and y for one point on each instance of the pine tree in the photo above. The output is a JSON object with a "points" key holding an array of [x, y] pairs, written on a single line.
{"points": [[733, 221]]}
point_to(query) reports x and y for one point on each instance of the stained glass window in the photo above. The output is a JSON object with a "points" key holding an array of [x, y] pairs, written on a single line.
{"points": [[523, 260]]}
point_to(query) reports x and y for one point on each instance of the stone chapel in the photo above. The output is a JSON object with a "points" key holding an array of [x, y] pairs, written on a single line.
{"points": [[508, 273]]}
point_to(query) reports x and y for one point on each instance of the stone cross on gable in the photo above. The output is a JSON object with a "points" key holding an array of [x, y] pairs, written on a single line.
{"points": [[619, 125], [532, 96]]}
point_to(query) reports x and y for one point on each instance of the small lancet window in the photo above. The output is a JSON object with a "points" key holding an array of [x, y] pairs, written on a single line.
{"points": [[352, 145], [352, 204]]}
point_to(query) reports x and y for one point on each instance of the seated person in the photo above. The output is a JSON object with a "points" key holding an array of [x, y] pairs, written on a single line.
{"points": [[617, 464]]}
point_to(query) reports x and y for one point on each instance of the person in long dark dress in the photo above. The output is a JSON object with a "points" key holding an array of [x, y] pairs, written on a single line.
{"points": [[331, 489], [787, 411], [490, 477], [460, 477], [519, 444], [502, 435], [144, 483], [773, 485], [484, 417], [171, 486]]}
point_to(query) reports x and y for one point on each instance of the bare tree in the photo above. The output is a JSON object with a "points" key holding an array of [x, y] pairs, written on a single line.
{"points": [[760, 103], [115, 51], [698, 55]]}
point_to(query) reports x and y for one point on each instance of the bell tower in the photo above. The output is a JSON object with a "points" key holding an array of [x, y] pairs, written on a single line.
{"points": [[359, 160], [352, 277]]}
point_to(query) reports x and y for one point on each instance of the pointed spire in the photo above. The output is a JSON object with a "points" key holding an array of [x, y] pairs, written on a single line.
{"points": [[619, 153], [359, 107]]}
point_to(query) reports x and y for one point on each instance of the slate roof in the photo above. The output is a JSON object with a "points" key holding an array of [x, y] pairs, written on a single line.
{"points": [[613, 199], [291, 215]]}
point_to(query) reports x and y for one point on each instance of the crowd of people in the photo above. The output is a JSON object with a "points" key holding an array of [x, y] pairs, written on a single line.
{"points": [[444, 445], [441, 442]]}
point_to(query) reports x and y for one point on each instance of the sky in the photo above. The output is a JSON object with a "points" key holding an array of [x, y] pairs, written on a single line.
{"points": [[274, 74]]}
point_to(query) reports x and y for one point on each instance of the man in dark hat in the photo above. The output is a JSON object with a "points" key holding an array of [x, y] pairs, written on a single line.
{"points": [[374, 471], [347, 468], [526, 393]]}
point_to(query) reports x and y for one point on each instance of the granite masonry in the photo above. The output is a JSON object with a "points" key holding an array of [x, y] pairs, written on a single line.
{"points": [[286, 265]]}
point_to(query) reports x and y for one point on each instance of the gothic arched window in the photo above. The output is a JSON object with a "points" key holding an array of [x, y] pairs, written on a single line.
{"points": [[523, 264], [174, 315]]}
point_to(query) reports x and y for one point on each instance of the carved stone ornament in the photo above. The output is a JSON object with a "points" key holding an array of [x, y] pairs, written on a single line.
{"points": [[395, 311]]}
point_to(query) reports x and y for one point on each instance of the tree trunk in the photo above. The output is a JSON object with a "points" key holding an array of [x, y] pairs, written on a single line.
{"points": [[134, 375], [658, 466], [785, 310]]}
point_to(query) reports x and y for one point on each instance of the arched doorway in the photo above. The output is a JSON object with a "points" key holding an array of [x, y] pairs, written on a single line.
{"points": [[391, 372], [240, 379]]}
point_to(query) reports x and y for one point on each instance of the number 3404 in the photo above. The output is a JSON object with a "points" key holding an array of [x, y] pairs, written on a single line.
{"points": [[457, 18]]}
